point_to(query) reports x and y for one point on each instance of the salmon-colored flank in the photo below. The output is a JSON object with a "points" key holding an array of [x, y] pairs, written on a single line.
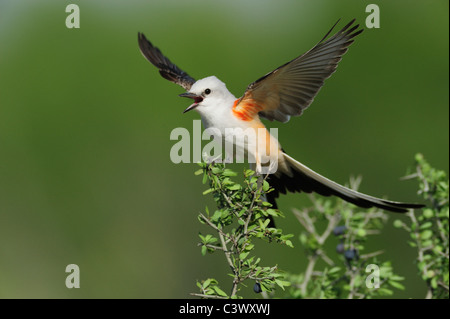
{"points": [[246, 110]]}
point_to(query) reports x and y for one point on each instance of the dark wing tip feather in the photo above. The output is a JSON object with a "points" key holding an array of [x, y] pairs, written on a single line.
{"points": [[328, 33], [341, 31], [167, 69], [347, 32], [348, 25]]}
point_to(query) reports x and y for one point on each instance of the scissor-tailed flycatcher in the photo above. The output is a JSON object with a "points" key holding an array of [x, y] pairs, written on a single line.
{"points": [[278, 95]]}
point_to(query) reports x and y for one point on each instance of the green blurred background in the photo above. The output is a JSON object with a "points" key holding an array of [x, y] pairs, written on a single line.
{"points": [[85, 173]]}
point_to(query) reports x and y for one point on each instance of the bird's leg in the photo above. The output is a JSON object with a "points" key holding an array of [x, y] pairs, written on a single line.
{"points": [[212, 160], [273, 167], [228, 158], [258, 170]]}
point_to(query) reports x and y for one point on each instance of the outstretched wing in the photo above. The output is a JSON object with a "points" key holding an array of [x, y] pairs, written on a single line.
{"points": [[291, 88], [167, 69]]}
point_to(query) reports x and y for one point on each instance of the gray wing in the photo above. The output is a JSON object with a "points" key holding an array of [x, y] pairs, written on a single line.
{"points": [[291, 88], [167, 69]]}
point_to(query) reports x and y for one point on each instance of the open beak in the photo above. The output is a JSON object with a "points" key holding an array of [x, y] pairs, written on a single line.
{"points": [[197, 99]]}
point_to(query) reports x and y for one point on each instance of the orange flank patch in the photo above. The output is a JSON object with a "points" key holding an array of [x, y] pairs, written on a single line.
{"points": [[246, 110]]}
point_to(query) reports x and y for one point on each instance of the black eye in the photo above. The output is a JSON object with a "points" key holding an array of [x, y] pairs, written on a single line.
{"points": [[207, 91]]}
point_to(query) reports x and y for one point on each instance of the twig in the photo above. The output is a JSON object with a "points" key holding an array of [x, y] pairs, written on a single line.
{"points": [[332, 223], [308, 273], [304, 219], [207, 296], [230, 263], [210, 246], [226, 251], [325, 258], [374, 254]]}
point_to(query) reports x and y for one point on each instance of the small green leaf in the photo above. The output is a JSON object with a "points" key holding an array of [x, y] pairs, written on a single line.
{"points": [[261, 224], [398, 223], [396, 278], [361, 232], [208, 191], [206, 283], [385, 291], [200, 219], [219, 291], [426, 225], [249, 247], [282, 283], [243, 255], [289, 243], [428, 213], [234, 187], [229, 172], [272, 212], [396, 284], [249, 172], [434, 283], [426, 234], [334, 270]]}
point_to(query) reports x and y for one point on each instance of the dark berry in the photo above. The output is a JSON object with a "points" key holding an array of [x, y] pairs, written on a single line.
{"points": [[257, 288], [351, 254], [340, 248], [339, 230]]}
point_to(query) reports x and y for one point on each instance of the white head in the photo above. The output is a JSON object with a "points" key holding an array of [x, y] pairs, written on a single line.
{"points": [[208, 94]]}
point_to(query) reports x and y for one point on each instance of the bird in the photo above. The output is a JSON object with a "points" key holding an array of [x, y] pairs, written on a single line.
{"points": [[277, 96]]}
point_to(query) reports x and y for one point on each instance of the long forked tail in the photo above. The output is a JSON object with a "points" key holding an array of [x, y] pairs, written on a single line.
{"points": [[293, 176]]}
